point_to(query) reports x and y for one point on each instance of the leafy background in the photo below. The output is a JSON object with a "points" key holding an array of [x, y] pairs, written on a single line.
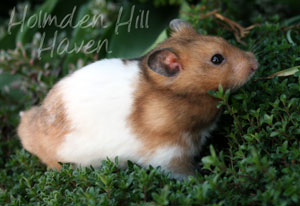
{"points": [[253, 157]]}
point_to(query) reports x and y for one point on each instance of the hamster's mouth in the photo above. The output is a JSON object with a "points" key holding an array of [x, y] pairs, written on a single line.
{"points": [[239, 84]]}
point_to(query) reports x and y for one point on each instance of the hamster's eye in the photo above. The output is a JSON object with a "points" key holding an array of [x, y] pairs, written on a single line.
{"points": [[217, 59]]}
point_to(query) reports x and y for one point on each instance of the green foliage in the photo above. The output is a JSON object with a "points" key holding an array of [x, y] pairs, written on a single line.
{"points": [[252, 159]]}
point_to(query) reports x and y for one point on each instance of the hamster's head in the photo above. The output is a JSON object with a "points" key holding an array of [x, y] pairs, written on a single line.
{"points": [[189, 62]]}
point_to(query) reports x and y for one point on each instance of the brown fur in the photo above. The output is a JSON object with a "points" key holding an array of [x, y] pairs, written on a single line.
{"points": [[42, 128], [160, 118], [167, 107]]}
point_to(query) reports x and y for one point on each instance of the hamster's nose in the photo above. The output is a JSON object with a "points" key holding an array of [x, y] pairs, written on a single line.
{"points": [[253, 61], [254, 65]]}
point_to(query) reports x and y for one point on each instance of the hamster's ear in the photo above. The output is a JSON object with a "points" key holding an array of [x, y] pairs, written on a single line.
{"points": [[164, 62], [178, 25]]}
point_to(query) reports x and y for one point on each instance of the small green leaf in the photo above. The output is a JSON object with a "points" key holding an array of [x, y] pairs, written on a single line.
{"points": [[220, 89], [268, 119], [287, 72], [274, 134], [289, 37]]}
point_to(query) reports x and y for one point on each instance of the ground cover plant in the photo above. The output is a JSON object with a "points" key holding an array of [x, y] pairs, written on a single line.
{"points": [[253, 158]]}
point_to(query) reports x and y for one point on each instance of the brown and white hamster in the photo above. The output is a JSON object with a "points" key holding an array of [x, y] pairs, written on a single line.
{"points": [[152, 111]]}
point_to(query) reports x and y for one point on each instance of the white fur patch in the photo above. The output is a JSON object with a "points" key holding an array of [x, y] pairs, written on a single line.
{"points": [[162, 156], [98, 101]]}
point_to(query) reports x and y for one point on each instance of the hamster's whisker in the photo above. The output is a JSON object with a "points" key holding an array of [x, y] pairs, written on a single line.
{"points": [[255, 43], [257, 51], [258, 54], [258, 42], [256, 46]]}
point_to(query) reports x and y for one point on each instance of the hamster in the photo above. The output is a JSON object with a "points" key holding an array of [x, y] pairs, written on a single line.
{"points": [[154, 110]]}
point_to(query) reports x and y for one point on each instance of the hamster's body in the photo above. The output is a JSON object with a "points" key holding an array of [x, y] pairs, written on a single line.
{"points": [[104, 91], [152, 111]]}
